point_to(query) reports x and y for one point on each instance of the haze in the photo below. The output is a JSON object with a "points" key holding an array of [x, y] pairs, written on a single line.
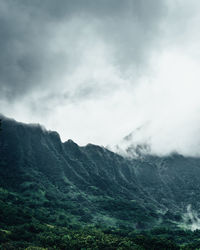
{"points": [[96, 71]]}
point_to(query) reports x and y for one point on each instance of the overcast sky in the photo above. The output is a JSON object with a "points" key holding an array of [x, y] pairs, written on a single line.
{"points": [[96, 70]]}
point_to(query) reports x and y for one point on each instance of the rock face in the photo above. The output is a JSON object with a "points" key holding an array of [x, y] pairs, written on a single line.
{"points": [[94, 184]]}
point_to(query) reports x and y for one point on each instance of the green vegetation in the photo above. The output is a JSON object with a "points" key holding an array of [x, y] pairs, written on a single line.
{"points": [[56, 195], [31, 225]]}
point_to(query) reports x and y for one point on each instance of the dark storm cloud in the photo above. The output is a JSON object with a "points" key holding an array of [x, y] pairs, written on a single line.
{"points": [[28, 34]]}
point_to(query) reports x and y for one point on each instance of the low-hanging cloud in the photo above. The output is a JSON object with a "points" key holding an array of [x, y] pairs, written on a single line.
{"points": [[97, 70]]}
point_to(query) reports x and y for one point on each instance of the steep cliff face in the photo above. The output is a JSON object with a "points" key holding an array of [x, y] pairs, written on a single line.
{"points": [[92, 183]]}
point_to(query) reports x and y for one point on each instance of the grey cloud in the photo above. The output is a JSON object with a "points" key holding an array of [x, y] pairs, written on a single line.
{"points": [[73, 65], [29, 28]]}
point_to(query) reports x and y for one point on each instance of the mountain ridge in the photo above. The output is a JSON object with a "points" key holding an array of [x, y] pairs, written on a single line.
{"points": [[160, 187]]}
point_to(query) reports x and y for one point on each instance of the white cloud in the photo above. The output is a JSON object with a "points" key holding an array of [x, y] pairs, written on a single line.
{"points": [[101, 87]]}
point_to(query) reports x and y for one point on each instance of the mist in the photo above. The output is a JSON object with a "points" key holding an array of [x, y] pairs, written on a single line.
{"points": [[191, 219], [97, 71]]}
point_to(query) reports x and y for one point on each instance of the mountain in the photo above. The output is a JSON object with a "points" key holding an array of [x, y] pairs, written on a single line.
{"points": [[65, 185]]}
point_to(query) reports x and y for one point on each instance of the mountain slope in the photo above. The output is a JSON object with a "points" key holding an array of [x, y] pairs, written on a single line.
{"points": [[92, 185]]}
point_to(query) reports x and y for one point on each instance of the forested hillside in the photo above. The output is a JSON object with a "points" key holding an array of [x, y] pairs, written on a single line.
{"points": [[60, 195]]}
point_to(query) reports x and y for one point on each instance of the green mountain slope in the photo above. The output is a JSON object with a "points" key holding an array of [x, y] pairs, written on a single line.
{"points": [[50, 184]]}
